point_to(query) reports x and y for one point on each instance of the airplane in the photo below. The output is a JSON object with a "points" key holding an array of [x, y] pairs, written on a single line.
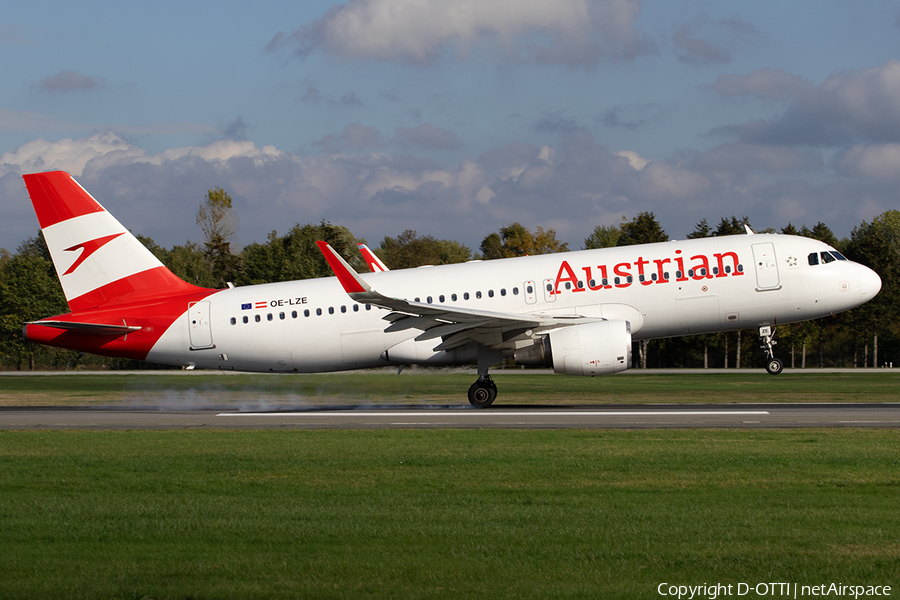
{"points": [[577, 312]]}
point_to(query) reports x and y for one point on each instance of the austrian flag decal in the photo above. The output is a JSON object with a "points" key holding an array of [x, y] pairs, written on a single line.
{"points": [[262, 304]]}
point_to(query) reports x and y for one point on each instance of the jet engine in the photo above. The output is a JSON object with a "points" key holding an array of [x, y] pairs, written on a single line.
{"points": [[590, 349]]}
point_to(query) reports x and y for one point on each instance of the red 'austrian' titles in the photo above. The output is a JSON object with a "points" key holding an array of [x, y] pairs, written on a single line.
{"points": [[722, 264]]}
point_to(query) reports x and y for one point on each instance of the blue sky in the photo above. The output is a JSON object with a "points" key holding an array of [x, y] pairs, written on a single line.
{"points": [[455, 118]]}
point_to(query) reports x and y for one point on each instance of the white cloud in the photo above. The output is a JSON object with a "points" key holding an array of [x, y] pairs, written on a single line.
{"points": [[575, 32], [67, 154], [571, 185], [879, 162], [848, 107]]}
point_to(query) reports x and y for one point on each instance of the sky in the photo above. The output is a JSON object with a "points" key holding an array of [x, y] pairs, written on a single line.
{"points": [[454, 118]]}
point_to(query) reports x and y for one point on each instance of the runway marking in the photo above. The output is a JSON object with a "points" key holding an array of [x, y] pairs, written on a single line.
{"points": [[498, 413]]}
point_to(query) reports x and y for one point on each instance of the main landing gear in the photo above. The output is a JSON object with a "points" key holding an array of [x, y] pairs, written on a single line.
{"points": [[483, 392], [767, 343]]}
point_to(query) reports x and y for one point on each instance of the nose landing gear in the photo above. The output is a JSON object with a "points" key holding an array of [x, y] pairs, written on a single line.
{"points": [[767, 342]]}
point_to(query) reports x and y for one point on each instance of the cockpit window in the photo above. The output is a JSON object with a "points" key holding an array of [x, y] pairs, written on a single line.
{"points": [[827, 258], [838, 255], [813, 258]]}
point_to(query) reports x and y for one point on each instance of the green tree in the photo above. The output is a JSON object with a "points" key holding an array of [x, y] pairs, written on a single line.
{"points": [[732, 226], [410, 250], [516, 240], [701, 230], [29, 290], [295, 255], [603, 236], [217, 221], [642, 229]]}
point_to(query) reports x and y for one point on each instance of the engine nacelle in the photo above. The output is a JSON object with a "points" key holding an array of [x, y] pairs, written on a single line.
{"points": [[590, 349]]}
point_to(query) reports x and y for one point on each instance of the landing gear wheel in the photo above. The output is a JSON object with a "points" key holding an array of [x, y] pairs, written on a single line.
{"points": [[482, 393], [774, 366]]}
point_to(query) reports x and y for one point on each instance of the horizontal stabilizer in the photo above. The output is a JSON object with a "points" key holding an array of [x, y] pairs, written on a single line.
{"points": [[89, 328]]}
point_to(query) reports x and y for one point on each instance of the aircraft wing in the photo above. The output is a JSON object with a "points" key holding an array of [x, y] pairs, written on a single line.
{"points": [[457, 326], [375, 264]]}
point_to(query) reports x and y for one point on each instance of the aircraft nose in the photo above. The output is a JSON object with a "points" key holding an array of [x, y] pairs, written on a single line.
{"points": [[870, 283]]}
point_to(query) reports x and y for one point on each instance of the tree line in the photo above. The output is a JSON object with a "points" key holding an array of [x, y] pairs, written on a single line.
{"points": [[865, 336]]}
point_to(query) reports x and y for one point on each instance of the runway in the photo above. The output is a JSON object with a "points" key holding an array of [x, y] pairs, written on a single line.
{"points": [[751, 416]]}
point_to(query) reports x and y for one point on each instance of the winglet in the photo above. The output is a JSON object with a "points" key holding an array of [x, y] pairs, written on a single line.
{"points": [[350, 279], [375, 264], [748, 230]]}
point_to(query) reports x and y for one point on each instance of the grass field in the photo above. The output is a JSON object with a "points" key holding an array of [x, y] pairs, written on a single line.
{"points": [[442, 514], [194, 390]]}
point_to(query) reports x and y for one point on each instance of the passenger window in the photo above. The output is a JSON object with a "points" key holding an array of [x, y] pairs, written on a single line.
{"points": [[293, 314], [330, 310], [654, 277], [281, 316], [441, 298], [233, 321], [502, 291], [368, 307], [629, 279], [306, 313], [478, 295], [453, 297], [343, 309], [641, 278], [515, 291], [529, 289], [318, 312], [356, 308], [740, 268], [568, 285], [466, 296], [246, 320], [258, 318], [490, 293], [269, 316]]}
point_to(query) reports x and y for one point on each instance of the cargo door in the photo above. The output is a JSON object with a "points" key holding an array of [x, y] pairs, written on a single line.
{"points": [[200, 326]]}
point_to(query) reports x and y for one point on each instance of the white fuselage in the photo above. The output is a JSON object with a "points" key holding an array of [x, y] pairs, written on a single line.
{"points": [[689, 287]]}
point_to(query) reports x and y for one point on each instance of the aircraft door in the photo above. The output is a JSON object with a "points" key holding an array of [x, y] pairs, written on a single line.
{"points": [[200, 326], [530, 293], [766, 266]]}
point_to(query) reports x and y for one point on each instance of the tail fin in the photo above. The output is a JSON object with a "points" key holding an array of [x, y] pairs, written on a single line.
{"points": [[98, 261]]}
